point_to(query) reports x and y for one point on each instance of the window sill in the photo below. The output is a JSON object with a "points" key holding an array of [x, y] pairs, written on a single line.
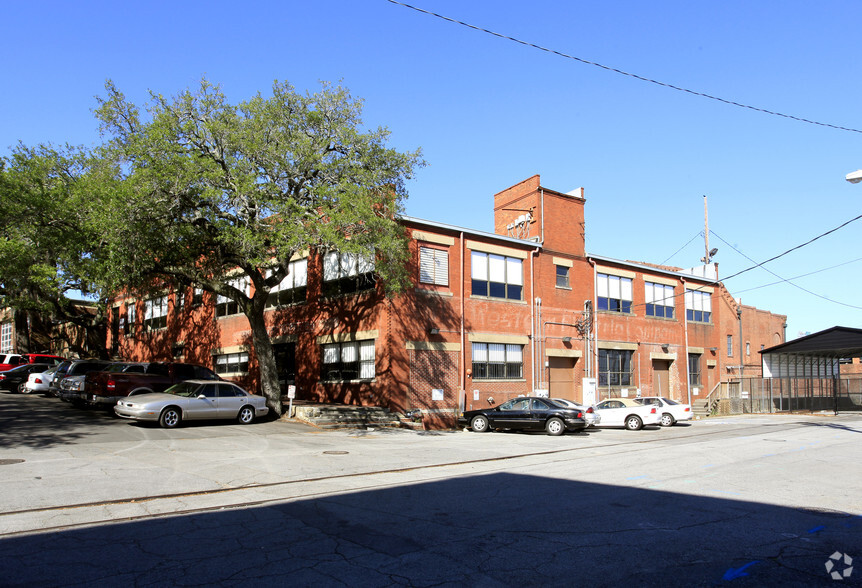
{"points": [[218, 318], [495, 299], [493, 380], [661, 318], [429, 292], [232, 374], [616, 313], [563, 287], [370, 381]]}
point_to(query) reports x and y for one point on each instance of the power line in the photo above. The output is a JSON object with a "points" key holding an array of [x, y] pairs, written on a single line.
{"points": [[681, 248], [622, 72], [786, 280], [809, 242]]}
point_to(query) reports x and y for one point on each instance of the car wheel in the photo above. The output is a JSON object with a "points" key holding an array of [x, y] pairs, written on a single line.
{"points": [[479, 424], [555, 427], [170, 418], [22, 388], [246, 415], [634, 423], [667, 420]]}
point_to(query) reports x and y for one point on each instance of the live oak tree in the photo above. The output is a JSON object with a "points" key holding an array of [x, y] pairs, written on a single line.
{"points": [[205, 193], [47, 243]]}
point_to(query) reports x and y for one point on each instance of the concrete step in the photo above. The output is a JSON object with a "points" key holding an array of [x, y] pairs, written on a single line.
{"points": [[336, 416]]}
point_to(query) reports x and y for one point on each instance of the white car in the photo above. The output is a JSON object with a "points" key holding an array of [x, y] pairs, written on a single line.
{"points": [[626, 412], [39, 382], [590, 415], [670, 411]]}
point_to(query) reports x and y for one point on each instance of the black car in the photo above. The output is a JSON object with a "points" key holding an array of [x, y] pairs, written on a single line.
{"points": [[12, 379], [525, 413]]}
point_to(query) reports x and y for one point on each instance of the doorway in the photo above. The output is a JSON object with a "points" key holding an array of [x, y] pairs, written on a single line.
{"points": [[661, 377], [561, 378]]}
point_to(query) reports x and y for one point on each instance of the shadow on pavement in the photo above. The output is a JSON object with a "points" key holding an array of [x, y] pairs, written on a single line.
{"points": [[485, 530]]}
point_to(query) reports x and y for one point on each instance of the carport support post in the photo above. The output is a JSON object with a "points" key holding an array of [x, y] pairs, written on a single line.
{"points": [[836, 385]]}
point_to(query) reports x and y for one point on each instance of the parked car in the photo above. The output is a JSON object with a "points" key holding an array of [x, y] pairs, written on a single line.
{"points": [[670, 411], [15, 378], [77, 367], [590, 415], [39, 382], [11, 360], [193, 400], [626, 412], [107, 387], [525, 413]]}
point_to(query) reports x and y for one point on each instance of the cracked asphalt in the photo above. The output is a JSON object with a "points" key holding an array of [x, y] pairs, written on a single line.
{"points": [[762, 500]]}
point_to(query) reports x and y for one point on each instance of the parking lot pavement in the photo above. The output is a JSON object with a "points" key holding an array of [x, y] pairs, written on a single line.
{"points": [[757, 500]]}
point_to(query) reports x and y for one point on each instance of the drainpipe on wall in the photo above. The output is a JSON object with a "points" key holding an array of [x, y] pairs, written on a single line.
{"points": [[685, 328], [741, 344], [462, 401], [594, 365], [533, 321]]}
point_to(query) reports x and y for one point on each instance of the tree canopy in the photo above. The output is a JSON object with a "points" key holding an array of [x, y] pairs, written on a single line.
{"points": [[199, 189], [47, 242]]}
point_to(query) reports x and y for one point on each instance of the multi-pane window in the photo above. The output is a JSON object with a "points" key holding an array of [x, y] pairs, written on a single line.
{"points": [[498, 361], [129, 327], [694, 369], [224, 305], [197, 296], [562, 276], [345, 273], [730, 345], [747, 348], [155, 313], [292, 288], [350, 360], [698, 306], [231, 363], [6, 338], [614, 293], [659, 300], [496, 276], [433, 266], [615, 367]]}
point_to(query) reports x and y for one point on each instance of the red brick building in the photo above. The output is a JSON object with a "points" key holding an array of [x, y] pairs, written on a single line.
{"points": [[490, 316]]}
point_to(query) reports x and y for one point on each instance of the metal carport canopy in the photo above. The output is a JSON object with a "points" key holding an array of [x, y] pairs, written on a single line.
{"points": [[814, 355]]}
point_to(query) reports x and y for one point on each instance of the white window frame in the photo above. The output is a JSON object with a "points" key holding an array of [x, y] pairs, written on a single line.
{"points": [[433, 266]]}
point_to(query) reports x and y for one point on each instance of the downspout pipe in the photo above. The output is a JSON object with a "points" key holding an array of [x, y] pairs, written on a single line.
{"points": [[685, 330], [594, 352], [533, 318], [462, 401]]}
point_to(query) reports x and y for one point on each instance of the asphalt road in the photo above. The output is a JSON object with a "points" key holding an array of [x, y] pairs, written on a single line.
{"points": [[743, 501]]}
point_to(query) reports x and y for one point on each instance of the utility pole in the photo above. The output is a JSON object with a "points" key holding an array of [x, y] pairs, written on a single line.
{"points": [[710, 253]]}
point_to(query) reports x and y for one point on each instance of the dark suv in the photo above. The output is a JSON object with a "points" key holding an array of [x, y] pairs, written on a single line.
{"points": [[68, 369]]}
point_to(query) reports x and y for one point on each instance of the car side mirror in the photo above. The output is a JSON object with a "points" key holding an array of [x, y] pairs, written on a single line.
{"points": [[200, 396]]}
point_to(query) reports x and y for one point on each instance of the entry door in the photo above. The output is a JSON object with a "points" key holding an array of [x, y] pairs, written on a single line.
{"points": [[285, 364], [561, 377], [661, 377]]}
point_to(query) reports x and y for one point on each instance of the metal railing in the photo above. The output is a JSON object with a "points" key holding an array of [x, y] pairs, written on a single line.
{"points": [[769, 395]]}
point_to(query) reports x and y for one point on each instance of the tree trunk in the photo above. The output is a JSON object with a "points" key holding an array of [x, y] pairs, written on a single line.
{"points": [[266, 361]]}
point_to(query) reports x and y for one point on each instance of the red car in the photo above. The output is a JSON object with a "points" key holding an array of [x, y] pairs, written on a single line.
{"points": [[12, 360]]}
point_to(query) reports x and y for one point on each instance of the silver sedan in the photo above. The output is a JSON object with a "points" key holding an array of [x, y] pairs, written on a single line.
{"points": [[192, 400]]}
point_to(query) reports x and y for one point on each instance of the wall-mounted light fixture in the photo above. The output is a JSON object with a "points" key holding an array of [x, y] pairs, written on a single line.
{"points": [[567, 339], [434, 331], [665, 347]]}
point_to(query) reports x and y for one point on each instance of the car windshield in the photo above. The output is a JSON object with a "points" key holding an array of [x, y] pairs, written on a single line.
{"points": [[183, 389]]}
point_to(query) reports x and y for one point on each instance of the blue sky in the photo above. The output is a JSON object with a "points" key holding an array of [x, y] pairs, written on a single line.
{"points": [[489, 112]]}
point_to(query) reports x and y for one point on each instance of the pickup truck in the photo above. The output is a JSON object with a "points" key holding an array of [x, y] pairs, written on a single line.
{"points": [[11, 360], [106, 388]]}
